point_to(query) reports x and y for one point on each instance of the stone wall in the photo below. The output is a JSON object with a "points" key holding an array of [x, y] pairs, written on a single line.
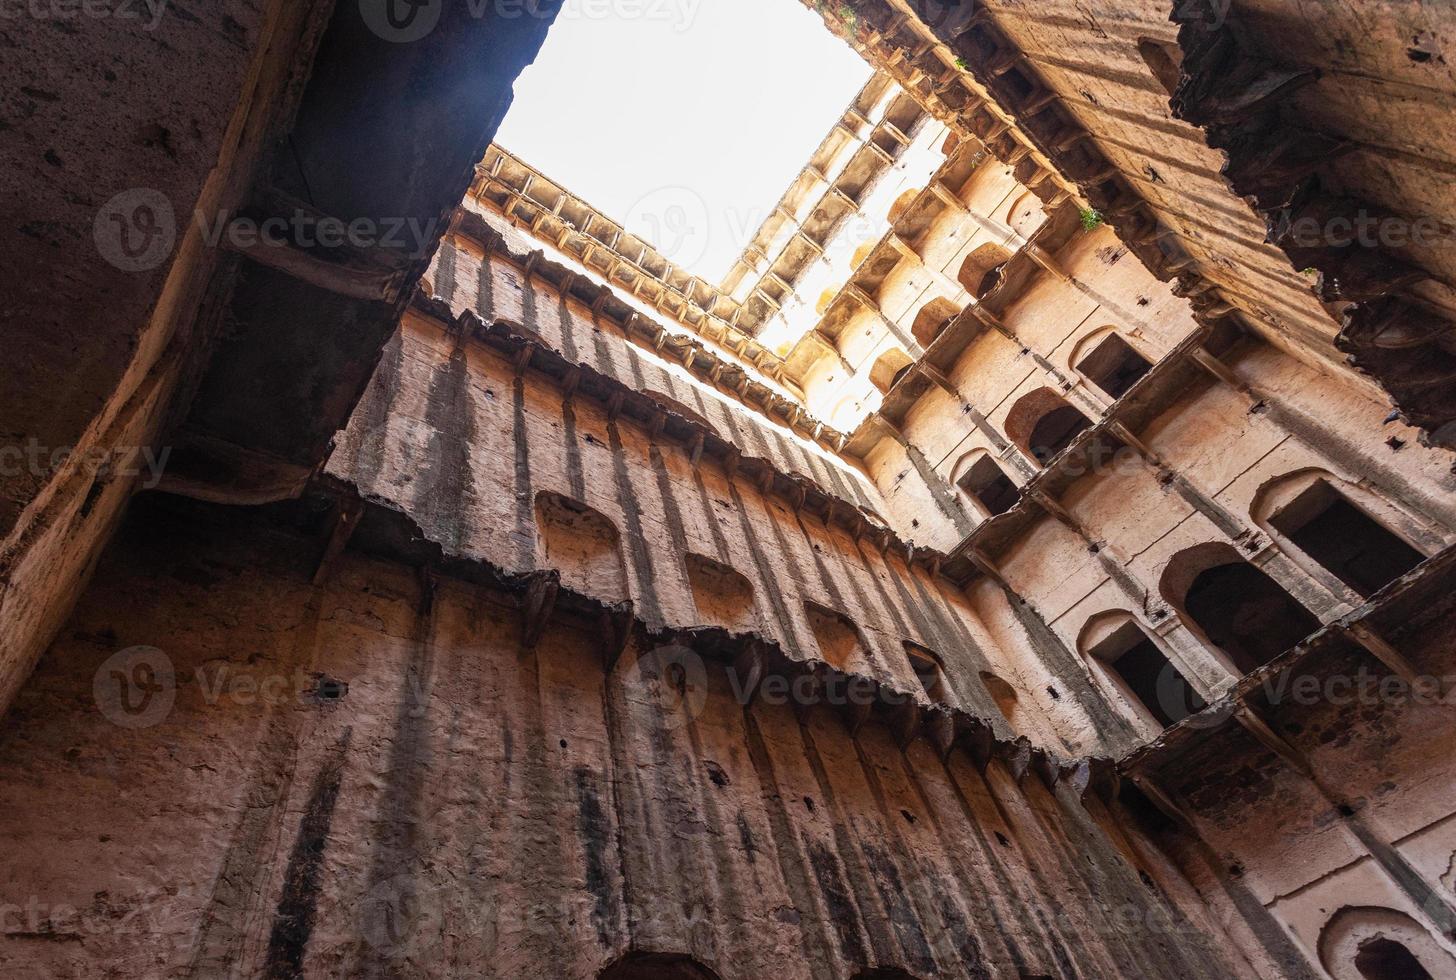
{"points": [[376, 777]]}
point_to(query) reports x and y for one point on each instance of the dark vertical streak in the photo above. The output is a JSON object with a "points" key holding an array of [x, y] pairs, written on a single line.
{"points": [[446, 485], [298, 903]]}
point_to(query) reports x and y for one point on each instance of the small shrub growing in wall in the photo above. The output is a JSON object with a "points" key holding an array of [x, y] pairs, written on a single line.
{"points": [[1091, 218]]}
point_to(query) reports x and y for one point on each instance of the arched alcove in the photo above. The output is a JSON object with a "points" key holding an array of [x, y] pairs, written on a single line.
{"points": [[980, 271], [1318, 514], [1164, 59], [861, 253], [902, 204], [948, 146], [981, 478], [932, 320], [582, 544], [1108, 361], [657, 966], [1025, 214], [1132, 661], [1004, 695], [1042, 424], [825, 298], [929, 670], [846, 414], [1369, 942], [723, 596], [1234, 605], [839, 640], [888, 368]]}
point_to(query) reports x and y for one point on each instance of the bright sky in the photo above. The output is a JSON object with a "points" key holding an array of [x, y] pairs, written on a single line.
{"points": [[683, 119]]}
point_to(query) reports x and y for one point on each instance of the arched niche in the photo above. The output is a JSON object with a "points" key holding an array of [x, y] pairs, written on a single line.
{"points": [[1130, 659], [1108, 360], [825, 298], [1343, 529], [657, 966], [1004, 694], [929, 670], [1042, 424], [1234, 606], [1369, 942], [888, 368], [582, 544], [846, 414], [840, 643], [902, 204], [1164, 60], [932, 320], [723, 596], [981, 270], [979, 476], [861, 253], [1025, 215]]}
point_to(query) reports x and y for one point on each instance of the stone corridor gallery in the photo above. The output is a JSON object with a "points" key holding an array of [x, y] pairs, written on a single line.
{"points": [[1032, 559]]}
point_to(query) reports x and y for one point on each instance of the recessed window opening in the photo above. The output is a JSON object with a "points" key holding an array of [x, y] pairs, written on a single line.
{"points": [[987, 483], [1113, 366], [1247, 614], [1147, 675], [902, 204], [932, 320], [889, 368], [981, 270], [1386, 959], [1056, 431], [657, 966], [1343, 538]]}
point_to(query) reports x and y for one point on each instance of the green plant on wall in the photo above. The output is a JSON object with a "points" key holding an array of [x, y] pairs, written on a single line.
{"points": [[1091, 218]]}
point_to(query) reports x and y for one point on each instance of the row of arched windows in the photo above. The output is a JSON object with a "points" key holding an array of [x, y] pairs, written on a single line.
{"points": [[1042, 423], [1235, 607]]}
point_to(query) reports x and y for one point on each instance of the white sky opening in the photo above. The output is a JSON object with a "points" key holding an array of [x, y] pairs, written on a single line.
{"points": [[683, 119]]}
